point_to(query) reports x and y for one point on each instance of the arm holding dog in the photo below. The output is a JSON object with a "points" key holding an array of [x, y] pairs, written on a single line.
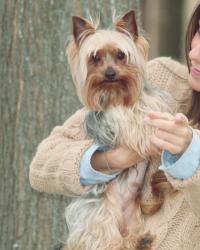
{"points": [[182, 145], [118, 159], [55, 167], [63, 176]]}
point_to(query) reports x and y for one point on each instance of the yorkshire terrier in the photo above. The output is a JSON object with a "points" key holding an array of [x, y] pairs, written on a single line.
{"points": [[109, 71]]}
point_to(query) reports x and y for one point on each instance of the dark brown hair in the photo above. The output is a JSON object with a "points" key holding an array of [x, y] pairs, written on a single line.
{"points": [[193, 113]]}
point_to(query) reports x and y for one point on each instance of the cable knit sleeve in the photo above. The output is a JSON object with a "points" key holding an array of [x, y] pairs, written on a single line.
{"points": [[171, 76], [183, 172], [55, 167], [191, 189]]}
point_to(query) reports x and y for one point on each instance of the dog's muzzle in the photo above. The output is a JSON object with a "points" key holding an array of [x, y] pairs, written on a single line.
{"points": [[110, 74]]}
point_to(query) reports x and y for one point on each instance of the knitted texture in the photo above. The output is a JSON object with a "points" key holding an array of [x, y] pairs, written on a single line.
{"points": [[55, 168]]}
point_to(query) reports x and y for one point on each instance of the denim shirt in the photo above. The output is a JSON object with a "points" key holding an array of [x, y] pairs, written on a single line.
{"points": [[184, 166], [180, 167]]}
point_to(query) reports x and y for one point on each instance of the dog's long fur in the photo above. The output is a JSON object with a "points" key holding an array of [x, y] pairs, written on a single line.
{"points": [[115, 117]]}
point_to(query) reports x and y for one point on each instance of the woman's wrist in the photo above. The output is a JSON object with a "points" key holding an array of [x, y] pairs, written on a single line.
{"points": [[106, 162], [100, 162], [114, 160]]}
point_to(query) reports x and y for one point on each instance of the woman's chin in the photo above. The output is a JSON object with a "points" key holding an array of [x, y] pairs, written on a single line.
{"points": [[194, 82]]}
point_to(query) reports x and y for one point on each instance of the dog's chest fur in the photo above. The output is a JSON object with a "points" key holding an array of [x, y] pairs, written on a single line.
{"points": [[126, 126]]}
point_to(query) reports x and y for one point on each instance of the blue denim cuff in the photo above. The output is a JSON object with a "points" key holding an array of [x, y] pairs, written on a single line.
{"points": [[184, 166], [88, 175]]}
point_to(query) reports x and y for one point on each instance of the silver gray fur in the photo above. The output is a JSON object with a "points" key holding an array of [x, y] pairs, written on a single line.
{"points": [[98, 128]]}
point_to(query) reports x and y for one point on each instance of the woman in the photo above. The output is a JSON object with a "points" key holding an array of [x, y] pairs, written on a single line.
{"points": [[66, 152]]}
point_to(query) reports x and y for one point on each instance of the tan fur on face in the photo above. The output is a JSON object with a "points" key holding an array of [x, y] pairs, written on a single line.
{"points": [[123, 90], [79, 57]]}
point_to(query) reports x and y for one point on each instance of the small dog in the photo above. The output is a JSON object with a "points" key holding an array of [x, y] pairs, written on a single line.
{"points": [[109, 71]]}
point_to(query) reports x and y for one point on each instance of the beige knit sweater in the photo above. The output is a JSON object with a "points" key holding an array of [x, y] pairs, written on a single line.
{"points": [[55, 168]]}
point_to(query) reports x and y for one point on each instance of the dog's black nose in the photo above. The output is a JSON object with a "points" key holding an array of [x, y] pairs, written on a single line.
{"points": [[110, 73]]}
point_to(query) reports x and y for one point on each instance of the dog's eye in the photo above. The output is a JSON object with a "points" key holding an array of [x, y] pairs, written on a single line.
{"points": [[120, 55], [96, 58]]}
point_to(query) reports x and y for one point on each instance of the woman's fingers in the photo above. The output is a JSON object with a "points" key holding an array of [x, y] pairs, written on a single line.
{"points": [[169, 137], [160, 115], [173, 132], [167, 122], [166, 125], [181, 119], [165, 145]]}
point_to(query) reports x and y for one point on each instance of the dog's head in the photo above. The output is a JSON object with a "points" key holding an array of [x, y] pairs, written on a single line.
{"points": [[107, 66]]}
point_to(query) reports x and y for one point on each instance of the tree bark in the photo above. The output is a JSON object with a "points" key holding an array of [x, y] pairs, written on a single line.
{"points": [[36, 93]]}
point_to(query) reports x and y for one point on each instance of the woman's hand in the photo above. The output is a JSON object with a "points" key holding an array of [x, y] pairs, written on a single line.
{"points": [[115, 159], [173, 132]]}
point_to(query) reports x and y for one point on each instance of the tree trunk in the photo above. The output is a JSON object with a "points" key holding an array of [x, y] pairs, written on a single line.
{"points": [[36, 93]]}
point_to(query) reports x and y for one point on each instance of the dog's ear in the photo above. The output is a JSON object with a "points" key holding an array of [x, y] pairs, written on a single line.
{"points": [[128, 23], [81, 28]]}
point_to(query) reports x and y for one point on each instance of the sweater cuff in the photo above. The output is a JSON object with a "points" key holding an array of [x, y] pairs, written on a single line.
{"points": [[185, 166], [182, 184], [70, 177]]}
